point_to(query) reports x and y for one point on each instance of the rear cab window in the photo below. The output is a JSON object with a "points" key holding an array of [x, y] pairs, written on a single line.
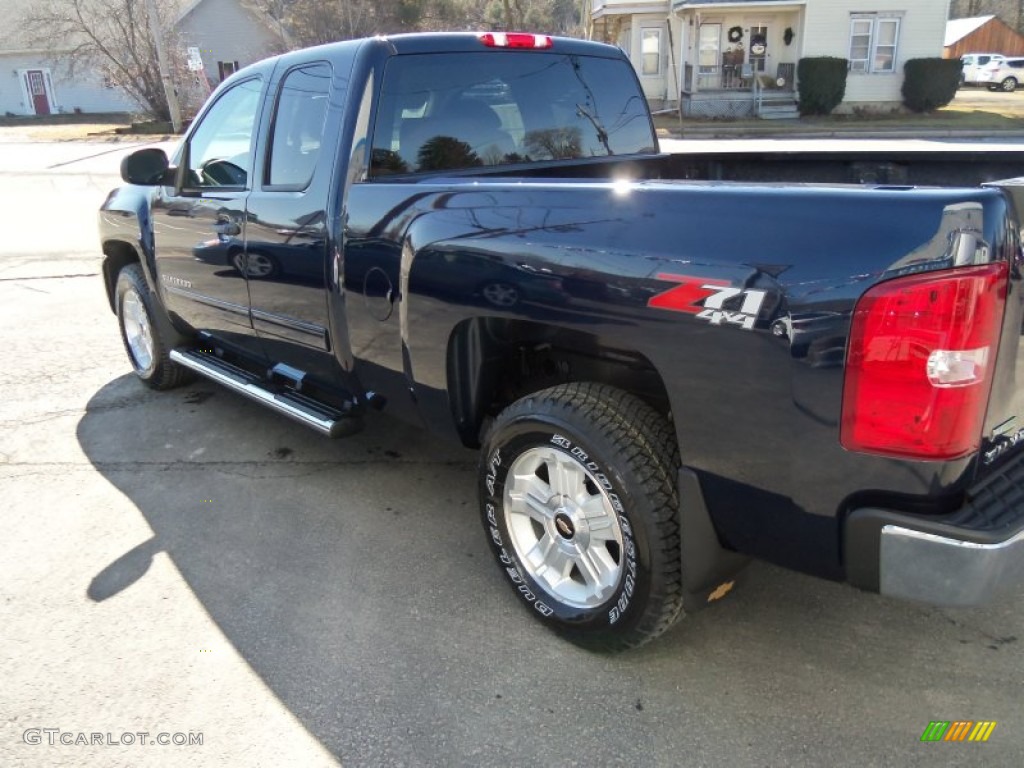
{"points": [[455, 111], [298, 127]]}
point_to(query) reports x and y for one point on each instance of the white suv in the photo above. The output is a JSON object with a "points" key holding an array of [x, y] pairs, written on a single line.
{"points": [[973, 63], [1003, 75]]}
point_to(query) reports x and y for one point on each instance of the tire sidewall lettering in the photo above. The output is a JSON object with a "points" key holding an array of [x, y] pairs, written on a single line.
{"points": [[494, 471]]}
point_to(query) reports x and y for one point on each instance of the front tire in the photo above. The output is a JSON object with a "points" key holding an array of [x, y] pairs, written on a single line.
{"points": [[1009, 85], [147, 335], [578, 496]]}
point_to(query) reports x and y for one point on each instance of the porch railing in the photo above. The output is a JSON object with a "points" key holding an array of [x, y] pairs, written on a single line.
{"points": [[731, 77], [728, 77]]}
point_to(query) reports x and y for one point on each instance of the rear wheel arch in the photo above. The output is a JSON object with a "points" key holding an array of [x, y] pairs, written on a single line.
{"points": [[492, 362]]}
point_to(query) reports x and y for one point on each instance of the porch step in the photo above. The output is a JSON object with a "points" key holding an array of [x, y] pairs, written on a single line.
{"points": [[779, 110], [322, 417]]}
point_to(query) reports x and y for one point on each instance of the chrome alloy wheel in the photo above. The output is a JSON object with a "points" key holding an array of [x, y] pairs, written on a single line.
{"points": [[501, 294], [254, 264], [563, 527], [138, 331]]}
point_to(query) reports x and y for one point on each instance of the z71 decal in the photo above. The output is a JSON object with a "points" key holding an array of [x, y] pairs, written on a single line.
{"points": [[706, 299]]}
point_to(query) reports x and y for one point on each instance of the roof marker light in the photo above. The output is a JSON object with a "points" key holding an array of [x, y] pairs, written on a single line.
{"points": [[515, 40]]}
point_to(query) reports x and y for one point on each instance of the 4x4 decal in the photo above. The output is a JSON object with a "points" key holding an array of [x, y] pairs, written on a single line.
{"points": [[706, 298]]}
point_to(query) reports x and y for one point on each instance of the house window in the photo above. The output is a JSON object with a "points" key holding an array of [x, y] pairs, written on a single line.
{"points": [[226, 68], [873, 42], [650, 48], [710, 46]]}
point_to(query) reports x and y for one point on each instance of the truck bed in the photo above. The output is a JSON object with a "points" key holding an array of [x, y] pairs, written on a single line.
{"points": [[968, 167]]}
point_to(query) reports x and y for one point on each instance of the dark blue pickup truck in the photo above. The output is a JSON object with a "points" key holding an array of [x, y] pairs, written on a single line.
{"points": [[669, 363]]}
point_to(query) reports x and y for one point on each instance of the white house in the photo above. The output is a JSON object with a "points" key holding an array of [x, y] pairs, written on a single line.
{"points": [[739, 57], [227, 34], [34, 81], [32, 84]]}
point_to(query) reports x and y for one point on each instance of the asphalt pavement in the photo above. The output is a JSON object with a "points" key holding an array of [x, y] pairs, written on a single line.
{"points": [[187, 564]]}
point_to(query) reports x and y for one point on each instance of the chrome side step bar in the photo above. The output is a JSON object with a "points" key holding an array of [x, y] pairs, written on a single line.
{"points": [[324, 418]]}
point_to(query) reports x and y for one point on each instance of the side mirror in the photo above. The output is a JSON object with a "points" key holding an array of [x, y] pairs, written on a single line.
{"points": [[147, 167]]}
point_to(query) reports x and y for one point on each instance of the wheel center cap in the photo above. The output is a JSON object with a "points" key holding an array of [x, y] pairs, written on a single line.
{"points": [[564, 525]]}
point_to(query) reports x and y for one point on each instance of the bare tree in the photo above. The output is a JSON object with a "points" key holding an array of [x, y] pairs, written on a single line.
{"points": [[313, 22], [513, 13], [556, 17], [111, 38]]}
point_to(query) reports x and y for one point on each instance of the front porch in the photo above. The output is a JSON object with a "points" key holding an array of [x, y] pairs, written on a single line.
{"points": [[735, 91], [739, 60], [739, 103]]}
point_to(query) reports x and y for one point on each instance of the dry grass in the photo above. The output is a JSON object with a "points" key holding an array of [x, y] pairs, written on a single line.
{"points": [[67, 132], [111, 127], [972, 110]]}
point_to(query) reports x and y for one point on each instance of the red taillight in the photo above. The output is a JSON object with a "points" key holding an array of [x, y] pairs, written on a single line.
{"points": [[919, 364], [515, 40]]}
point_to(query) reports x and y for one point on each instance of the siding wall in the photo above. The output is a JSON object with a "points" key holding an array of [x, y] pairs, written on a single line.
{"points": [[922, 29], [775, 20], [663, 85], [224, 31]]}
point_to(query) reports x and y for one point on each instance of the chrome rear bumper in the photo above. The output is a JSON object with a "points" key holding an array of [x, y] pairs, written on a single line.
{"points": [[947, 571]]}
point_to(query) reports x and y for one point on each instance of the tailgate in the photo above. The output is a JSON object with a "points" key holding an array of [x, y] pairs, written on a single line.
{"points": [[1004, 423]]}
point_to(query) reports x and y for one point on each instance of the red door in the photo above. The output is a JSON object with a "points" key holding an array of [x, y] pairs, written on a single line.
{"points": [[37, 90]]}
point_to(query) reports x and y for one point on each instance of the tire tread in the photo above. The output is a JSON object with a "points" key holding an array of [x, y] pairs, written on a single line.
{"points": [[166, 374], [646, 441]]}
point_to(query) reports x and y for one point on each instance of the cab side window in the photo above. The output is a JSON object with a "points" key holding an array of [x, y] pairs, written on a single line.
{"points": [[220, 149], [298, 127]]}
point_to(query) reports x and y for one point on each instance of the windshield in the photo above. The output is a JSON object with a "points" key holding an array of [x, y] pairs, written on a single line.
{"points": [[464, 110]]}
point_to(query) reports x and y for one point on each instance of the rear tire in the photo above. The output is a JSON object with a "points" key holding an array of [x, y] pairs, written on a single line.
{"points": [[501, 294], [146, 332], [255, 265], [578, 496]]}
